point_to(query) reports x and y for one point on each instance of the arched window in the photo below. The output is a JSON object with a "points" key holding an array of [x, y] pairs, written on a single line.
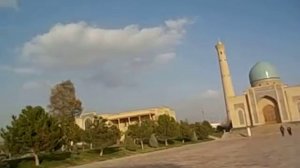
{"points": [[241, 117], [88, 122]]}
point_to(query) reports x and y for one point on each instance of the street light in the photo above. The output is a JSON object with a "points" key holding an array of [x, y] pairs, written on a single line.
{"points": [[247, 125]]}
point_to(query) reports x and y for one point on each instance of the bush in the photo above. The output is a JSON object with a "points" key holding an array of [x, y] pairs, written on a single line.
{"points": [[55, 156], [25, 162], [224, 127], [201, 131], [220, 128], [129, 144], [4, 164], [3, 156], [208, 127], [153, 141]]}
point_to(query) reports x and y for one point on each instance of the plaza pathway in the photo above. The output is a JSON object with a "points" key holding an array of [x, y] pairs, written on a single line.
{"points": [[262, 151]]}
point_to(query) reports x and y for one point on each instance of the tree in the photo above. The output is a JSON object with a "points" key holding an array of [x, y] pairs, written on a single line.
{"points": [[201, 131], [141, 131], [33, 131], [167, 128], [101, 135], [11, 145], [65, 106], [186, 132], [63, 101], [88, 136], [72, 134], [208, 127], [129, 143]]}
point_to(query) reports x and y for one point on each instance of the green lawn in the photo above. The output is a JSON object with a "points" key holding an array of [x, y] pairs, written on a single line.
{"points": [[62, 160]]}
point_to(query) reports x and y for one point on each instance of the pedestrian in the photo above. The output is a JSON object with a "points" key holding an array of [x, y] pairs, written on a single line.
{"points": [[282, 130], [289, 130]]}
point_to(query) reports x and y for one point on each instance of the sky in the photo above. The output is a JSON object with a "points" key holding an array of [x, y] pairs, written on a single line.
{"points": [[135, 54]]}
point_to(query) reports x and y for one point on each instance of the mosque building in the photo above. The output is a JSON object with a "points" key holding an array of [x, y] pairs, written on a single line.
{"points": [[267, 101]]}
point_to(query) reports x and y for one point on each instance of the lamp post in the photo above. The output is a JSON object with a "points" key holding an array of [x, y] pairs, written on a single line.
{"points": [[247, 125]]}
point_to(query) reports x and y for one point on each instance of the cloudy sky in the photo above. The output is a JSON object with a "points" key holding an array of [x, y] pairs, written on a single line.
{"points": [[126, 55]]}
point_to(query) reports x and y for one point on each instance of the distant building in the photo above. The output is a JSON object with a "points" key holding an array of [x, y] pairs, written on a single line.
{"points": [[267, 101], [123, 119]]}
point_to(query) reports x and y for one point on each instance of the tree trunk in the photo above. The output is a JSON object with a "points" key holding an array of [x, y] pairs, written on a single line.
{"points": [[142, 144], [36, 158], [183, 141], [166, 142], [101, 152], [91, 146]]}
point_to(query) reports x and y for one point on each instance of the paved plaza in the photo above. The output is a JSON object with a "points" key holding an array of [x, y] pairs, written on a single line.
{"points": [[261, 151]]}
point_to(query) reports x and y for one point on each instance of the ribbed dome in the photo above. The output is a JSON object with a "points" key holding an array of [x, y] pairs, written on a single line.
{"points": [[262, 70]]}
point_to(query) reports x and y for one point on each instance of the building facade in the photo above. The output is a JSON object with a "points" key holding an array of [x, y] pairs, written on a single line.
{"points": [[267, 101], [124, 119]]}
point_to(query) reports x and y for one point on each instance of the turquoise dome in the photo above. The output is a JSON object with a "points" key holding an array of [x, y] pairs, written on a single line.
{"points": [[262, 70]]}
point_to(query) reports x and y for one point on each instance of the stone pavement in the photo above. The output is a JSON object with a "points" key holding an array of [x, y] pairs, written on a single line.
{"points": [[270, 150]]}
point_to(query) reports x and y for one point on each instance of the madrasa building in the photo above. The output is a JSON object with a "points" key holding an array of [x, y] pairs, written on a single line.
{"points": [[267, 101], [123, 119]]}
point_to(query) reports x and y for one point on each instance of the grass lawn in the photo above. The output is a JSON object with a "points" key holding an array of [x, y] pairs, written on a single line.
{"points": [[62, 160]]}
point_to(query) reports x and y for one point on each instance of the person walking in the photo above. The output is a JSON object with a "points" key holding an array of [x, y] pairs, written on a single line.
{"points": [[289, 130], [282, 130]]}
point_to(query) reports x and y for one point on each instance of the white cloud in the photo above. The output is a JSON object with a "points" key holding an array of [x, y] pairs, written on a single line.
{"points": [[79, 44], [26, 71], [4, 67], [210, 93], [165, 58], [20, 70], [177, 24], [110, 56], [9, 4], [31, 85], [38, 84]]}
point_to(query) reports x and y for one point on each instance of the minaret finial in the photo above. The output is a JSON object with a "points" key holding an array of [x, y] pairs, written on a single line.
{"points": [[219, 41]]}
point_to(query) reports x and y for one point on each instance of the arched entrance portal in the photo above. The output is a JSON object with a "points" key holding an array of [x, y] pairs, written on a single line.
{"points": [[269, 109], [269, 112]]}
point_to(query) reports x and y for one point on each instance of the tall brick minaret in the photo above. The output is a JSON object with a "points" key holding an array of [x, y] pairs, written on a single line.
{"points": [[225, 76]]}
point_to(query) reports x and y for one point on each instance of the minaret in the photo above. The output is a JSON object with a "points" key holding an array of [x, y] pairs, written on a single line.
{"points": [[225, 75]]}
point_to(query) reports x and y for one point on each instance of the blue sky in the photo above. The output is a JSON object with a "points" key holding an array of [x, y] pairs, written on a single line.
{"points": [[126, 55]]}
